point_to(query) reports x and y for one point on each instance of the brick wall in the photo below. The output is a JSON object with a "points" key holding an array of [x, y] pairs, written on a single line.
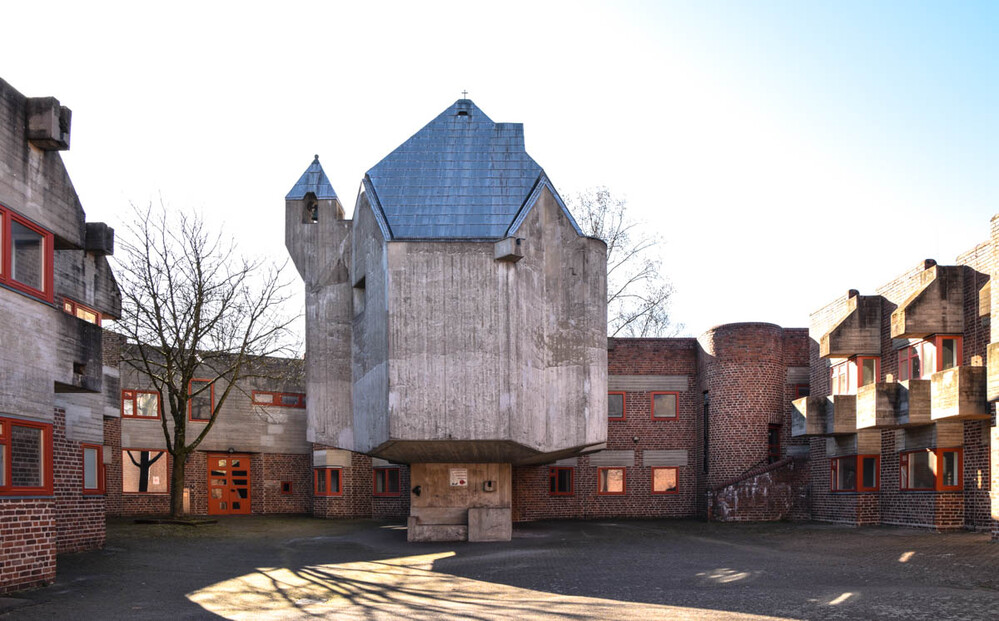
{"points": [[27, 543], [355, 501], [275, 469], [778, 491], [80, 519]]}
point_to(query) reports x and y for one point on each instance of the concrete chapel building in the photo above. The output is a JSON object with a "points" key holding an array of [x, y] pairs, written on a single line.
{"points": [[457, 324]]}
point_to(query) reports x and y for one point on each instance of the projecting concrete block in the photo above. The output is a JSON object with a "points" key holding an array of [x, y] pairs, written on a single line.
{"points": [[416, 531], [490, 524]]}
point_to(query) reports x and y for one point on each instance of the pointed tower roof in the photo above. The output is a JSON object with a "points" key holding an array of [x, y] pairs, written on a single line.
{"points": [[312, 180], [461, 176]]}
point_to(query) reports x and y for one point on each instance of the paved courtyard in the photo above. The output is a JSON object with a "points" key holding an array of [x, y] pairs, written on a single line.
{"points": [[303, 568]]}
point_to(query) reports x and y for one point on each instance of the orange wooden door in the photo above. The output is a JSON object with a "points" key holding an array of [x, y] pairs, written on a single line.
{"points": [[228, 484]]}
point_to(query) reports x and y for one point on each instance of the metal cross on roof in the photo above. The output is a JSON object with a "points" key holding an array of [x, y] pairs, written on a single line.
{"points": [[464, 94]]}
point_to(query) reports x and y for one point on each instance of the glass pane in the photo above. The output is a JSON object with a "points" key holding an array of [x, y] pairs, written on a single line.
{"points": [[921, 475], [28, 256], [218, 473], [26, 456], [870, 473], [222, 463], [148, 404], [615, 406], [320, 481], [235, 463], [948, 354], [238, 473], [664, 480], [263, 397], [89, 468], [128, 407], [334, 481], [239, 482], [243, 492], [144, 471], [847, 476], [612, 480], [3, 465], [216, 493], [867, 371], [86, 315], [915, 363], [217, 481], [289, 400], [201, 404], [949, 465], [393, 481], [565, 480], [235, 506], [664, 406]]}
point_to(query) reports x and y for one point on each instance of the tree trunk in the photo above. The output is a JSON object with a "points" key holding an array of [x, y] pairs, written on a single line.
{"points": [[177, 485]]}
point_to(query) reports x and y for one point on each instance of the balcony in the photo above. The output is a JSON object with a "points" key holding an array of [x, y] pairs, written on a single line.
{"points": [[824, 416], [858, 333], [937, 307], [889, 405], [959, 394]]}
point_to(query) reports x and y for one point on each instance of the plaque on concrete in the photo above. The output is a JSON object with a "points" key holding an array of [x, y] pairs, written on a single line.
{"points": [[459, 477]]}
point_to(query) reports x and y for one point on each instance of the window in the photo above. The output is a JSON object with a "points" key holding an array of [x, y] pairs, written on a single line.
{"points": [[855, 473], [143, 471], [140, 404], [610, 481], [615, 406], [25, 256], [25, 457], [931, 470], [279, 399], [202, 400], [93, 469], [846, 377], [287, 488], [81, 312], [665, 480], [800, 390], [327, 482], [386, 482], [664, 406], [923, 359], [560, 481], [773, 443]]}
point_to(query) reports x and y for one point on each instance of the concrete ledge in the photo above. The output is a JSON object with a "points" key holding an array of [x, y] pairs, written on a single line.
{"points": [[490, 524], [417, 532]]}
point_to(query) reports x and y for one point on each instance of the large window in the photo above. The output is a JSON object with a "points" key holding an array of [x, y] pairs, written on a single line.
{"points": [[327, 482], [93, 469], [664, 405], [847, 376], [386, 482], [923, 359], [25, 255], [560, 481], [665, 480], [144, 471], [937, 469], [279, 399], [611, 481], [25, 457], [615, 406], [855, 473], [140, 404], [202, 400]]}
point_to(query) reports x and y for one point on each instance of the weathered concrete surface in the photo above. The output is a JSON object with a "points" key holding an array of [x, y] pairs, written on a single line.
{"points": [[937, 307], [959, 394], [858, 333], [302, 568], [489, 524]]}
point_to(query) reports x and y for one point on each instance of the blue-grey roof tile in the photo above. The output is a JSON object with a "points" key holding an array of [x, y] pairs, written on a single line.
{"points": [[312, 180]]}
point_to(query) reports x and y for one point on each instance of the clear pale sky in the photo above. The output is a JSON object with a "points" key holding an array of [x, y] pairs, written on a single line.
{"points": [[785, 151]]}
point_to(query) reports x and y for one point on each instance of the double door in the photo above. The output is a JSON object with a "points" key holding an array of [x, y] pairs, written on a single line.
{"points": [[228, 484]]}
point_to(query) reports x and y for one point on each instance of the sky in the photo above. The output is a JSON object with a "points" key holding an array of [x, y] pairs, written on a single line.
{"points": [[784, 152]]}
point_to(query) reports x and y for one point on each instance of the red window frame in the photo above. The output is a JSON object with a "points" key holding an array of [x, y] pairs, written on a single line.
{"points": [[624, 406], [388, 476], [287, 488], [7, 487], [131, 395], [6, 249], [652, 480], [190, 400], [846, 377], [624, 481], [92, 491], [553, 480], [676, 406], [277, 399], [936, 455], [72, 307], [801, 390], [328, 476], [166, 462], [858, 484], [932, 345]]}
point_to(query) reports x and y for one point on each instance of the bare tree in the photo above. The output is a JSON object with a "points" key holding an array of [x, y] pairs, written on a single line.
{"points": [[638, 294], [197, 317]]}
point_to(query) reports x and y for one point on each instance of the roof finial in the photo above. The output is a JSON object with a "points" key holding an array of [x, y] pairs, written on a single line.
{"points": [[464, 94], [317, 157]]}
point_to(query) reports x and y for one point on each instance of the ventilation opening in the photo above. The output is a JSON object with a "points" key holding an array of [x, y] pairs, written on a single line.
{"points": [[310, 211], [79, 368], [359, 297], [462, 112]]}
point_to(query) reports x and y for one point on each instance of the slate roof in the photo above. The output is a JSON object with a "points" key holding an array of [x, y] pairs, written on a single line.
{"points": [[312, 180], [460, 177]]}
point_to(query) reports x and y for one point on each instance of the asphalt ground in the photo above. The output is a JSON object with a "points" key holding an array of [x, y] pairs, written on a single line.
{"points": [[304, 568]]}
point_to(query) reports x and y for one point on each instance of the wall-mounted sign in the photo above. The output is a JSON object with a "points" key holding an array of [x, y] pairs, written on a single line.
{"points": [[459, 477]]}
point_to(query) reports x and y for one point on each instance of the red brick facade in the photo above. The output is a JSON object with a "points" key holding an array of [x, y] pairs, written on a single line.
{"points": [[80, 523], [27, 543]]}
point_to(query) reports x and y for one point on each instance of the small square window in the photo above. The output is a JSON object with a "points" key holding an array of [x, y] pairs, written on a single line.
{"points": [[615, 406], [664, 406], [144, 471], [665, 480], [560, 481], [140, 404], [611, 481], [386, 482], [287, 488]]}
